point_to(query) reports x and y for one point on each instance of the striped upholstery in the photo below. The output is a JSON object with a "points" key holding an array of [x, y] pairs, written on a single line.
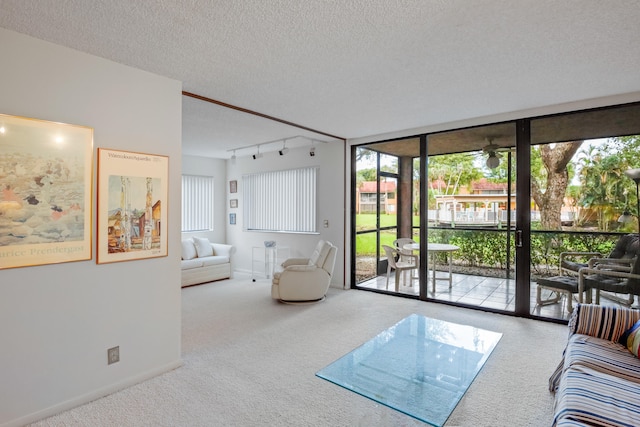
{"points": [[598, 380], [603, 322]]}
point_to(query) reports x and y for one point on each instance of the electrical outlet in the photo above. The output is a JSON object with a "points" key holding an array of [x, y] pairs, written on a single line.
{"points": [[113, 355]]}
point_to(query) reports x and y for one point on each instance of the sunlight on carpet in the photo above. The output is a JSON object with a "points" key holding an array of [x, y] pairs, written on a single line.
{"points": [[420, 366]]}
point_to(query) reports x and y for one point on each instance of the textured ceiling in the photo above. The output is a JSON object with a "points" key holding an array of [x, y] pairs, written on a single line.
{"points": [[351, 68]]}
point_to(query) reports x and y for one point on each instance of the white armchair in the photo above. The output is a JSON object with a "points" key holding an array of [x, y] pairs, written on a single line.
{"points": [[305, 279]]}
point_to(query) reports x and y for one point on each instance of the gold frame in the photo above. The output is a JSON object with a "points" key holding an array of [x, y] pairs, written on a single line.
{"points": [[46, 194], [133, 191]]}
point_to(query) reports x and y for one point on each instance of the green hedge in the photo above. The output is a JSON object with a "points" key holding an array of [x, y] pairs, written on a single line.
{"points": [[482, 248]]}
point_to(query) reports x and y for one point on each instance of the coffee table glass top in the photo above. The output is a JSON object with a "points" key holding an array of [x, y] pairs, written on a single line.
{"points": [[420, 366]]}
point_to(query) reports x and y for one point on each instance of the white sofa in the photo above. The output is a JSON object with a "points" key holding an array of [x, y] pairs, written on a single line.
{"points": [[203, 261]]}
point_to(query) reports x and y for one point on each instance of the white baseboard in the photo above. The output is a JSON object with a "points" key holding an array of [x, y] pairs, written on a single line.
{"points": [[96, 394]]}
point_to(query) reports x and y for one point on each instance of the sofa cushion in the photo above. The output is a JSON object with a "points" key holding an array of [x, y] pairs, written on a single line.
{"points": [[214, 260], [203, 246], [188, 249], [188, 264], [599, 385], [631, 338], [595, 354]]}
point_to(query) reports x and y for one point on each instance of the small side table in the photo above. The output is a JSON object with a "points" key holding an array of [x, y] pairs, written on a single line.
{"points": [[264, 260]]}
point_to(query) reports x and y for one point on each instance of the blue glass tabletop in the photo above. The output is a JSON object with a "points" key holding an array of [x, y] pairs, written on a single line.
{"points": [[420, 366]]}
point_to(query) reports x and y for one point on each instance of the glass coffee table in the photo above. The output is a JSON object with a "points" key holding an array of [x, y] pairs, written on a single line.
{"points": [[420, 366]]}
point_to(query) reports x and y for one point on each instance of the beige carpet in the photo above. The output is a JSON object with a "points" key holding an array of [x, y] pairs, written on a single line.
{"points": [[249, 361]]}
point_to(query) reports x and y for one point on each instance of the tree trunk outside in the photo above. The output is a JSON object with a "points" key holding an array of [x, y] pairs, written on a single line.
{"points": [[551, 200]]}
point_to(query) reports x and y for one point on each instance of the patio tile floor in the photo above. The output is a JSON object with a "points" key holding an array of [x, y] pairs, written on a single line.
{"points": [[489, 292]]}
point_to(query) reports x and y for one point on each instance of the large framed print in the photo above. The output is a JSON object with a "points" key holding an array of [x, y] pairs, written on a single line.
{"points": [[132, 205], [45, 199]]}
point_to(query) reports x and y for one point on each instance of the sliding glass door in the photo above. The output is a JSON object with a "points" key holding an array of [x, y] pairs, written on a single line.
{"points": [[471, 183], [492, 209]]}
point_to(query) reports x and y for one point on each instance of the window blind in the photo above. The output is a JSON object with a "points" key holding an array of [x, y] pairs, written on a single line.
{"points": [[197, 203], [280, 200]]}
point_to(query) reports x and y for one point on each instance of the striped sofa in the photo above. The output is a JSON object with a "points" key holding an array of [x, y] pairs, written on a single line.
{"points": [[597, 383]]}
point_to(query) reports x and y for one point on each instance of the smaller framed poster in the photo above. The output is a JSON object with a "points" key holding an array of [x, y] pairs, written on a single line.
{"points": [[233, 203], [233, 186], [232, 219], [133, 191]]}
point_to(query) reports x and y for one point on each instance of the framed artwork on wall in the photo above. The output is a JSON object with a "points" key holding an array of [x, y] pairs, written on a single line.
{"points": [[233, 186], [233, 203], [232, 219], [132, 206], [46, 188]]}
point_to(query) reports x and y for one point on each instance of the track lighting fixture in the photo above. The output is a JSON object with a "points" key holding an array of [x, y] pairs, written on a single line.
{"points": [[272, 147], [284, 150]]}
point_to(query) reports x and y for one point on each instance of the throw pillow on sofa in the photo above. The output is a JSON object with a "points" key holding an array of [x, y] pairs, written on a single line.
{"points": [[631, 338], [188, 249], [203, 246]]}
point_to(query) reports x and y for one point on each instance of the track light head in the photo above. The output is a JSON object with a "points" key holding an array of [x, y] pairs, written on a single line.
{"points": [[257, 156], [233, 158], [283, 151], [312, 151]]}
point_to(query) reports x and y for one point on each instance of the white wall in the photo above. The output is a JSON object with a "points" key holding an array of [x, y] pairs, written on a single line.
{"points": [[331, 205], [57, 321], [217, 168]]}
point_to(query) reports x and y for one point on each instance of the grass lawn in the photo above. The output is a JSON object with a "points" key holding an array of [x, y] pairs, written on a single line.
{"points": [[366, 243]]}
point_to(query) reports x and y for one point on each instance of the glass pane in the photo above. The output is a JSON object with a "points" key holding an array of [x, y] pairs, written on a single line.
{"points": [[366, 189], [471, 205], [366, 262], [580, 194], [388, 201], [389, 163]]}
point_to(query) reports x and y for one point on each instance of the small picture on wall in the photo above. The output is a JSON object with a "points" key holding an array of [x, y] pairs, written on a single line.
{"points": [[233, 203], [233, 186], [232, 219]]}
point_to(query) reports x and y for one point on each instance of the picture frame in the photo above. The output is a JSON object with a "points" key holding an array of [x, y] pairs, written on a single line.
{"points": [[233, 186], [233, 203], [232, 219], [132, 206], [45, 192]]}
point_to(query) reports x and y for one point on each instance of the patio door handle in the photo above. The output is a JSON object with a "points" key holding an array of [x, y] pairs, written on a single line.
{"points": [[518, 238]]}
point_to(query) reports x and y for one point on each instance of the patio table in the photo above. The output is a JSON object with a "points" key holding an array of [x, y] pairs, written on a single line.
{"points": [[432, 250]]}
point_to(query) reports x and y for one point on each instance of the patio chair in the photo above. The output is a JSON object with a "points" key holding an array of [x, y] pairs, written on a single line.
{"points": [[396, 263], [611, 278], [624, 251], [566, 284], [621, 258], [399, 244]]}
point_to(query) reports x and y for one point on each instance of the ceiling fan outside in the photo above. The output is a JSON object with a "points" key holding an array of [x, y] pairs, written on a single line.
{"points": [[493, 156]]}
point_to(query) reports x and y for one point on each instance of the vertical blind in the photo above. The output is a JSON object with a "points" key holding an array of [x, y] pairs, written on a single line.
{"points": [[280, 200], [197, 203]]}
